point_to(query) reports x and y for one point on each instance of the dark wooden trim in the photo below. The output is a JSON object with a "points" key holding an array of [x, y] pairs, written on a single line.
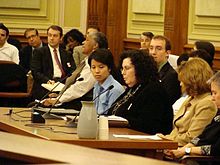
{"points": [[176, 23]]}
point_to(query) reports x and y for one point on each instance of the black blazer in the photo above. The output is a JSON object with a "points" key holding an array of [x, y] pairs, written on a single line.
{"points": [[210, 136], [169, 79], [148, 110], [25, 56], [42, 68]]}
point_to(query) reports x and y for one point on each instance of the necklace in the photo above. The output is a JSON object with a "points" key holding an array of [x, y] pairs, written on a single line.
{"points": [[124, 100]]}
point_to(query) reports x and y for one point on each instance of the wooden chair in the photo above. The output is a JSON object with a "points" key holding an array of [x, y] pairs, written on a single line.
{"points": [[14, 77], [208, 160]]}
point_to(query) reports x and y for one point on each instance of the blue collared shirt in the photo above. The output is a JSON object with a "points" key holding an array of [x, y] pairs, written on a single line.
{"points": [[105, 100]]}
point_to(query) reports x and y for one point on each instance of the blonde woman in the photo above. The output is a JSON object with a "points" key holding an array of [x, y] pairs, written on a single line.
{"points": [[198, 109]]}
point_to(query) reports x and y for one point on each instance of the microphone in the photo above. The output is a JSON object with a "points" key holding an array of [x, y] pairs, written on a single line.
{"points": [[48, 115], [109, 88]]}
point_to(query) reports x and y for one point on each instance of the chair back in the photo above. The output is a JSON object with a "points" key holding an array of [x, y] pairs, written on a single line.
{"points": [[12, 77]]}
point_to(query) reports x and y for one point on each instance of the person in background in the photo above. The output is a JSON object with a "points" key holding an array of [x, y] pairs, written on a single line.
{"points": [[50, 63], [203, 55], [26, 53], [76, 91], [207, 46], [78, 54], [208, 142], [145, 103], [146, 37], [72, 39], [8, 52], [198, 109], [160, 48], [103, 69]]}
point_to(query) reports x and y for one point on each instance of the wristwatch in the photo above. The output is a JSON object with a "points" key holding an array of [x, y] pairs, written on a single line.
{"points": [[187, 150]]}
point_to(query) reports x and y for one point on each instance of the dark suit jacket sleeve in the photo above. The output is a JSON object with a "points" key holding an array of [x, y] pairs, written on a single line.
{"points": [[37, 66], [25, 57]]}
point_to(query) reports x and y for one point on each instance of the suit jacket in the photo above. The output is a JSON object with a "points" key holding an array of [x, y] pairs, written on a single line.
{"points": [[148, 110], [210, 137], [192, 117], [78, 55], [42, 68], [25, 56], [169, 78]]}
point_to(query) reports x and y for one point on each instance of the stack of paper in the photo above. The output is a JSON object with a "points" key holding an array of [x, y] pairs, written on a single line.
{"points": [[58, 86], [140, 137]]}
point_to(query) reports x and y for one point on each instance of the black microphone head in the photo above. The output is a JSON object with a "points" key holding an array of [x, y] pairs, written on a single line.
{"points": [[110, 87]]}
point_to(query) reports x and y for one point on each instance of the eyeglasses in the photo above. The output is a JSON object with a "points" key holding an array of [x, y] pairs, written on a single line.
{"points": [[126, 68], [32, 36]]}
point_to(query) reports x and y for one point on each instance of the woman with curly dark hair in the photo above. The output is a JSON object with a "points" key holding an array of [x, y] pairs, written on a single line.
{"points": [[145, 103]]}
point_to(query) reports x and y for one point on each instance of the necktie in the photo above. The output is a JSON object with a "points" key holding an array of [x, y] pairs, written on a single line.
{"points": [[58, 62]]}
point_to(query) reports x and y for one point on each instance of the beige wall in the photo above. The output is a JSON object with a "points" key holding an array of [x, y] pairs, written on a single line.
{"points": [[204, 21], [18, 15], [148, 15], [145, 15]]}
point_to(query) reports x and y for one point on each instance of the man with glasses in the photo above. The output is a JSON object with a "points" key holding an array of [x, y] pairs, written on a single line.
{"points": [[26, 53], [160, 48]]}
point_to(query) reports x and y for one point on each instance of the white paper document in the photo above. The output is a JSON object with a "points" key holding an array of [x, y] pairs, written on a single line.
{"points": [[140, 137], [116, 118], [51, 86]]}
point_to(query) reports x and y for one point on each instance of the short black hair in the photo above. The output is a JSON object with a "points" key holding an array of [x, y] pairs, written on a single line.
{"points": [[202, 54], [167, 41], [148, 34], [75, 34], [207, 46], [3, 27]]}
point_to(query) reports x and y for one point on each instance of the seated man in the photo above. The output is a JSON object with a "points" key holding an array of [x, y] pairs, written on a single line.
{"points": [[50, 63], [26, 53], [160, 48], [74, 89], [8, 52]]}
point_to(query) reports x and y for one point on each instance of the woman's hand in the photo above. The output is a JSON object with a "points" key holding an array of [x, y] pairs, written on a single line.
{"points": [[179, 152]]}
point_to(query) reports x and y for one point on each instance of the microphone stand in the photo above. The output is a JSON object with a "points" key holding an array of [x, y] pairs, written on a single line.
{"points": [[48, 115], [72, 123]]}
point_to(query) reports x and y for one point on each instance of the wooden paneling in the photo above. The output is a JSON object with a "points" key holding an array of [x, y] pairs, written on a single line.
{"points": [[176, 23], [111, 17], [97, 14]]}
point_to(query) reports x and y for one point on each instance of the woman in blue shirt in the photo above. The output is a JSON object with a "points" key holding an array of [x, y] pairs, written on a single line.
{"points": [[106, 89]]}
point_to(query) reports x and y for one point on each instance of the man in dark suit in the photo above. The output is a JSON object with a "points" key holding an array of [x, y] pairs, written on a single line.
{"points": [[50, 63], [160, 48], [26, 53]]}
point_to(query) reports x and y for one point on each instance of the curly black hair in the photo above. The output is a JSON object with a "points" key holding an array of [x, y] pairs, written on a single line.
{"points": [[144, 64]]}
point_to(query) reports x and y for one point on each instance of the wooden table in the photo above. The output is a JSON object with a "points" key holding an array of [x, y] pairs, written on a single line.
{"points": [[25, 149], [51, 131]]}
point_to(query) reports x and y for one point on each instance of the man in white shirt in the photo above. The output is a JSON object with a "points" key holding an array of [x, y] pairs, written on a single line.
{"points": [[77, 89], [8, 52]]}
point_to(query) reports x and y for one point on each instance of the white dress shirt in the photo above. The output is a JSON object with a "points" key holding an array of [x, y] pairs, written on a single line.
{"points": [[9, 53], [79, 88]]}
